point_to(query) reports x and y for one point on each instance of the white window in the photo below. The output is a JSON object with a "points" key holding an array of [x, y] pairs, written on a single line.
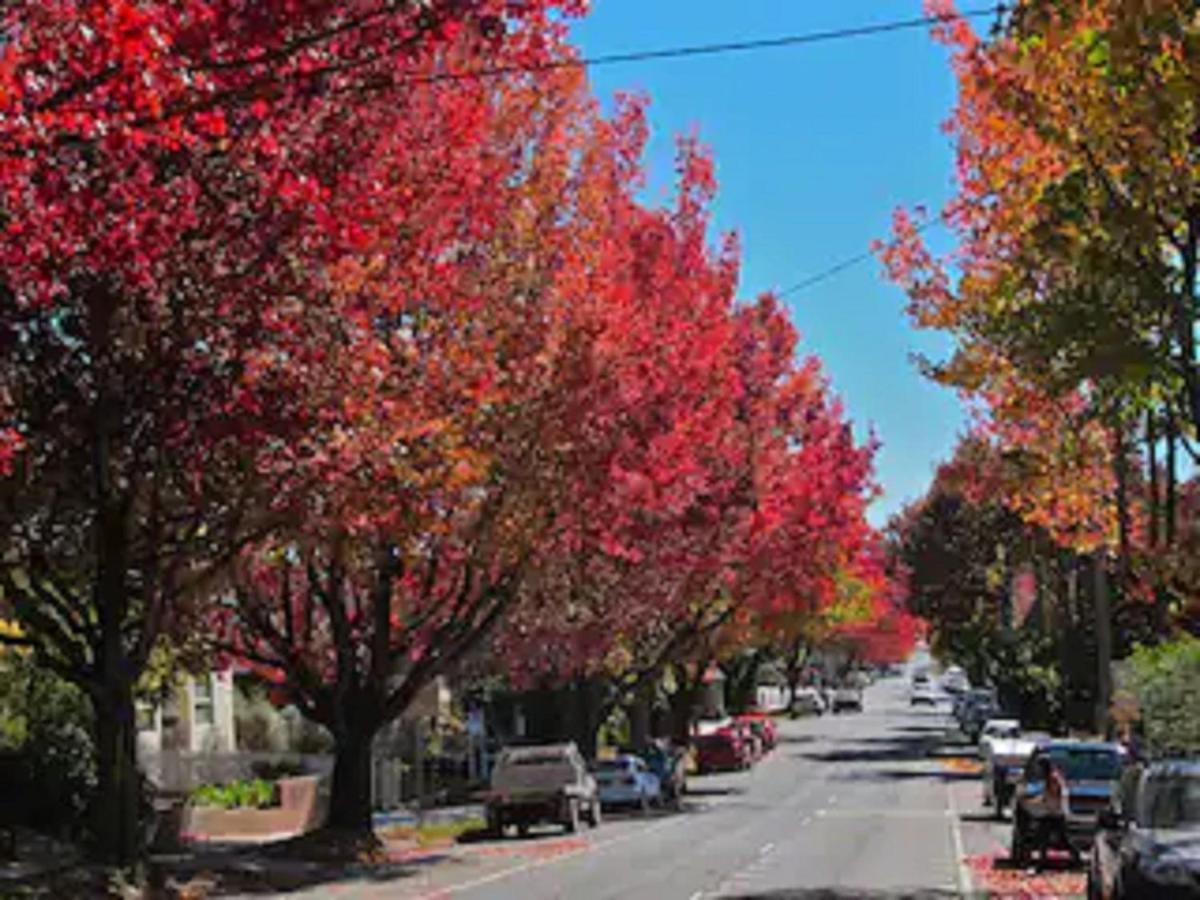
{"points": [[202, 701]]}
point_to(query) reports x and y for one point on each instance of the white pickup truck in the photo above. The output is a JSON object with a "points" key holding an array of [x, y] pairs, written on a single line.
{"points": [[1004, 750]]}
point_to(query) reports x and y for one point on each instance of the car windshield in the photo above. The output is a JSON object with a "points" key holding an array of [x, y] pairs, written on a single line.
{"points": [[1172, 802], [612, 765], [1087, 763], [540, 759]]}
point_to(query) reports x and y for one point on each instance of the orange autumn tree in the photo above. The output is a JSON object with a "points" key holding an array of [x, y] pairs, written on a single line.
{"points": [[1071, 287]]}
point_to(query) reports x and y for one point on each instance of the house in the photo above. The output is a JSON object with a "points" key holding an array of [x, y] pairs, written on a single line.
{"points": [[196, 717]]}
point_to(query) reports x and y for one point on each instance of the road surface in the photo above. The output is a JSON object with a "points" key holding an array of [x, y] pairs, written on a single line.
{"points": [[878, 805], [847, 806]]}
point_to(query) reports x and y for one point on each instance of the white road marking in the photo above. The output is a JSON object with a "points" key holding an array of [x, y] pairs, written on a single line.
{"points": [[832, 800], [696, 896], [765, 849], [960, 856], [452, 889], [820, 813]]}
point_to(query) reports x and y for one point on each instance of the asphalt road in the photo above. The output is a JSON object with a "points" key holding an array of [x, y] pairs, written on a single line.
{"points": [[847, 806]]}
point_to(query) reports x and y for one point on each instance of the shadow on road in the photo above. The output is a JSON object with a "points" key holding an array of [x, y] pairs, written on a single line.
{"points": [[891, 752], [916, 775], [986, 817], [795, 739], [257, 876], [845, 894], [693, 791]]}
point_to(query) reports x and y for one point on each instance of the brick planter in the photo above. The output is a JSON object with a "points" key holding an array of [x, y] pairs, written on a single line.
{"points": [[302, 807]]}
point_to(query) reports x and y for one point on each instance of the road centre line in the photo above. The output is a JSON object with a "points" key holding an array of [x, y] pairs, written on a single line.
{"points": [[529, 866]]}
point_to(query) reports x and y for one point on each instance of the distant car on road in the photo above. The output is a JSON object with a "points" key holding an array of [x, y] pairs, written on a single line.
{"points": [[1004, 750], [546, 783], [923, 694], [1090, 767], [720, 752], [954, 681], [847, 696], [763, 727], [749, 741], [1148, 845], [808, 702], [627, 781]]}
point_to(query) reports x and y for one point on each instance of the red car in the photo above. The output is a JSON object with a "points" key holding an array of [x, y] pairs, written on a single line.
{"points": [[749, 740], [763, 726], [720, 752]]}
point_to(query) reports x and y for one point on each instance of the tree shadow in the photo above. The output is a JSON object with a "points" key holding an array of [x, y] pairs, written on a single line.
{"points": [[249, 879], [794, 739], [892, 752], [840, 893], [713, 791], [916, 775], [983, 817]]}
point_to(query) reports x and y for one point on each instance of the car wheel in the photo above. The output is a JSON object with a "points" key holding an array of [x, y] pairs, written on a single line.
{"points": [[1093, 887], [594, 814], [523, 829], [572, 822], [495, 824]]}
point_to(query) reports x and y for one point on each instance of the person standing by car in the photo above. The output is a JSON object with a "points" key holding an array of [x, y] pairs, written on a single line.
{"points": [[1052, 822]]}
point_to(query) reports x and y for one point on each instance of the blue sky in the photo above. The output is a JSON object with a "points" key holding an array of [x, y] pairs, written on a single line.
{"points": [[814, 146]]}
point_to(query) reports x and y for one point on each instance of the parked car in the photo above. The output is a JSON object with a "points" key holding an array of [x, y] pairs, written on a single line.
{"points": [[1090, 767], [547, 783], [977, 712], [626, 780], [670, 765], [808, 702], [847, 696], [923, 694], [748, 740], [972, 703], [1005, 750], [720, 751], [1148, 845], [954, 681], [763, 727]]}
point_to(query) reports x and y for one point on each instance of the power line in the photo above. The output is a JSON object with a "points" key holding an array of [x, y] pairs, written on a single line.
{"points": [[793, 40], [850, 263]]}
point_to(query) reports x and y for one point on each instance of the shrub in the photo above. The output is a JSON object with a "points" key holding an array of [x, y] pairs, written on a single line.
{"points": [[1164, 681], [255, 793], [49, 723]]}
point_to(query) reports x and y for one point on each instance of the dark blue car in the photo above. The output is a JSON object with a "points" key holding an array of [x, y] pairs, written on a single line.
{"points": [[1149, 842]]}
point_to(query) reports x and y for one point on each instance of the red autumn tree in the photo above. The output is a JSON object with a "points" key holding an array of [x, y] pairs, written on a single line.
{"points": [[458, 438], [174, 181]]}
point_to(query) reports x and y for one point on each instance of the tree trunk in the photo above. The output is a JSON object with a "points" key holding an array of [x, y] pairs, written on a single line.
{"points": [[350, 797], [1121, 471], [116, 808], [1103, 642], [639, 718], [797, 657]]}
